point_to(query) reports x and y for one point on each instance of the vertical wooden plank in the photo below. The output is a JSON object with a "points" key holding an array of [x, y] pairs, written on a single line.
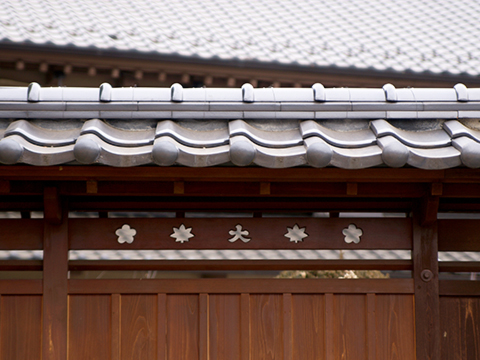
{"points": [[55, 286], [89, 327], [20, 327], [204, 328], [308, 323], [460, 328], [115, 326], [138, 327], [225, 327], [245, 326], [395, 327], [182, 327], [1, 335], [371, 327], [287, 327], [329, 328], [425, 275], [349, 327], [161, 326], [266, 339]]}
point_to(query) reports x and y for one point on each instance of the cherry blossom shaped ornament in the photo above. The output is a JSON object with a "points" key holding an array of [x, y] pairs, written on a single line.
{"points": [[352, 234], [182, 234], [125, 234]]}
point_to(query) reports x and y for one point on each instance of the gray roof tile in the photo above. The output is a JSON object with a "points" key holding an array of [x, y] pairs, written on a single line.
{"points": [[391, 35], [275, 128]]}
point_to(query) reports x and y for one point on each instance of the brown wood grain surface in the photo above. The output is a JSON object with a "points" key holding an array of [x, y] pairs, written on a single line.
{"points": [[460, 328], [20, 327], [55, 290], [234, 174], [161, 326], [203, 326], [287, 327], [182, 327], [138, 327], [427, 312], [308, 323], [458, 235], [266, 323], [265, 233], [21, 234], [89, 331], [115, 318], [245, 329], [329, 327], [394, 327], [225, 327], [371, 331], [350, 341], [21, 287], [459, 287], [232, 265], [236, 286]]}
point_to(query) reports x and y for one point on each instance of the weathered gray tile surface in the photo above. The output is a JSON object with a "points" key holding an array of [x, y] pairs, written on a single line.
{"points": [[419, 36], [273, 128]]}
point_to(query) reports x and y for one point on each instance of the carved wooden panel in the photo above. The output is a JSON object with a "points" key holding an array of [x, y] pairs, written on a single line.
{"points": [[21, 327], [89, 327]]}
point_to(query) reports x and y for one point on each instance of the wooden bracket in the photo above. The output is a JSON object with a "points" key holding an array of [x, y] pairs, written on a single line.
{"points": [[179, 187], [4, 187], [436, 189], [352, 189], [429, 210], [52, 209], [264, 188], [92, 187]]}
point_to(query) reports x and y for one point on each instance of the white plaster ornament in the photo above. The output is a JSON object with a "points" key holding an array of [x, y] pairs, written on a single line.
{"points": [[239, 234], [296, 234], [352, 234], [182, 234], [125, 234]]}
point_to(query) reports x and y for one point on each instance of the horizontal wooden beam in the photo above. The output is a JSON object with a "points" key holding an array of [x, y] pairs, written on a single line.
{"points": [[21, 287], [459, 266], [220, 174], [229, 265], [237, 265], [236, 286], [458, 235], [459, 288], [21, 265], [240, 233], [21, 234], [27, 234], [228, 204]]}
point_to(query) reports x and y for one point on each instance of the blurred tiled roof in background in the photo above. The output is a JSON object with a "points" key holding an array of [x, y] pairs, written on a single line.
{"points": [[419, 36]]}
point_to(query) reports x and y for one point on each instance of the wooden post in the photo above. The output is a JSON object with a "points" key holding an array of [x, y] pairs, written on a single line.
{"points": [[425, 275], [55, 283]]}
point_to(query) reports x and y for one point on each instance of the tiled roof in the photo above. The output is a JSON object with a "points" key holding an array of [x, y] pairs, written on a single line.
{"points": [[269, 127], [420, 36]]}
